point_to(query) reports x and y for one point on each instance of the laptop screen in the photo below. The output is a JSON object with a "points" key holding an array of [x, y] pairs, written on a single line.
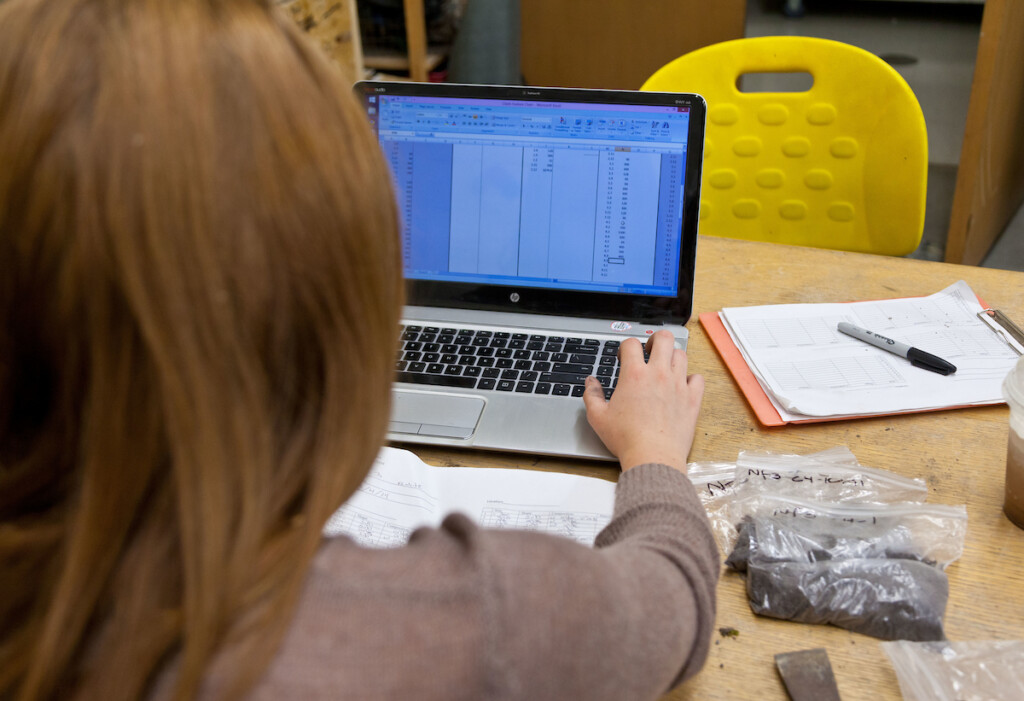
{"points": [[541, 189]]}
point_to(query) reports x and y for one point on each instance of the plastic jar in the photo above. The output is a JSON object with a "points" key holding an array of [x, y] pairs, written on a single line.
{"points": [[1013, 392]]}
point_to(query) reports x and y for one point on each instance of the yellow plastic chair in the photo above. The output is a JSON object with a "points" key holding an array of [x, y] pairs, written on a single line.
{"points": [[842, 165]]}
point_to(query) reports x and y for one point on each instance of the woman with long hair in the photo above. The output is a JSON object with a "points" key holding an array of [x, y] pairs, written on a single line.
{"points": [[200, 289]]}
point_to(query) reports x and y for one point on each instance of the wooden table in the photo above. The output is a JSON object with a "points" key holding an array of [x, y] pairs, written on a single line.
{"points": [[961, 454]]}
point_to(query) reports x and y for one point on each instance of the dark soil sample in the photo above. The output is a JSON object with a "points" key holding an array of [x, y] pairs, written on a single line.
{"points": [[891, 599]]}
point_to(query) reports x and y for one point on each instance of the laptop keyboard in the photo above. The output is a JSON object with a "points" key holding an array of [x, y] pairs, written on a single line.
{"points": [[505, 362]]}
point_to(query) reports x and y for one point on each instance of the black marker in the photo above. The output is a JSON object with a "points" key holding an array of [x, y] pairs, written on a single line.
{"points": [[916, 356]]}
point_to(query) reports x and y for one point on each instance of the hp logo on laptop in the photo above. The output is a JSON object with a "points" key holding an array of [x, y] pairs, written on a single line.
{"points": [[514, 296]]}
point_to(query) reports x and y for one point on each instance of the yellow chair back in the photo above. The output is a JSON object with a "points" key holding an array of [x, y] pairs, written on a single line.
{"points": [[842, 165]]}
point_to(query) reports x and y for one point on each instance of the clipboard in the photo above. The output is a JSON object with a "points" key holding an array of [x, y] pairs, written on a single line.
{"points": [[762, 406]]}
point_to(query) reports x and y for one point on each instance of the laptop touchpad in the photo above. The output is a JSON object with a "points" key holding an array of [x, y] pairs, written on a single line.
{"points": [[428, 414]]}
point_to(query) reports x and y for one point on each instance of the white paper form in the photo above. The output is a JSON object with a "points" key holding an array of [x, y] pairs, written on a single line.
{"points": [[402, 493], [809, 369]]}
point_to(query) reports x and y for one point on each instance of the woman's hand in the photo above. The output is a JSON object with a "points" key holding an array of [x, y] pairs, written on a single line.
{"points": [[652, 415]]}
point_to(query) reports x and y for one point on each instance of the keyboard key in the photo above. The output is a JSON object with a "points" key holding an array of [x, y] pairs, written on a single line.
{"points": [[530, 376], [449, 358], [563, 378], [561, 390], [431, 329], [540, 355], [578, 390], [449, 348], [509, 374], [506, 385], [400, 365], [436, 368], [485, 384], [542, 388], [605, 371], [412, 356], [485, 352], [413, 346], [521, 355], [504, 362], [502, 334], [523, 365], [524, 387], [417, 367], [519, 337], [467, 360], [452, 370], [587, 351], [492, 373], [485, 362], [471, 371], [502, 352], [431, 357], [575, 368], [449, 331], [421, 379], [560, 357], [517, 343], [588, 360]]}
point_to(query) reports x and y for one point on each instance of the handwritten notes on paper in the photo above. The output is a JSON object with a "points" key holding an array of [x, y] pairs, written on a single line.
{"points": [[403, 493], [809, 369]]}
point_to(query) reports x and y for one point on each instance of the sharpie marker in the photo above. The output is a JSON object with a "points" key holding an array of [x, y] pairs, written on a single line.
{"points": [[916, 356]]}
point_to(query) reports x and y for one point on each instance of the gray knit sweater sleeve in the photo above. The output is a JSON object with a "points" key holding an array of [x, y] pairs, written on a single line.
{"points": [[463, 612]]}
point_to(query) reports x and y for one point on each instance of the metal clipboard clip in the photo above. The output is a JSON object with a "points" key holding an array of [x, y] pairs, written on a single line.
{"points": [[1004, 328]]}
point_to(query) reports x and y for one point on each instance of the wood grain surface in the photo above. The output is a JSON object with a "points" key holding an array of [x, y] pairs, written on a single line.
{"points": [[961, 454]]}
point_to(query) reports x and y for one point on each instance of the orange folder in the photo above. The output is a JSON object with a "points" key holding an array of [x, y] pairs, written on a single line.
{"points": [[755, 394]]}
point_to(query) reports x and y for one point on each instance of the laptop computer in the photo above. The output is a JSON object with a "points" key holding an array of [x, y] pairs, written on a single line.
{"points": [[540, 228]]}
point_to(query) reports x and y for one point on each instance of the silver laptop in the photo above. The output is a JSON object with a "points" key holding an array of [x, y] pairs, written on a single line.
{"points": [[541, 228]]}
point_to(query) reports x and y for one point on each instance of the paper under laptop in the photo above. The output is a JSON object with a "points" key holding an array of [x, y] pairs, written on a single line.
{"points": [[538, 224]]}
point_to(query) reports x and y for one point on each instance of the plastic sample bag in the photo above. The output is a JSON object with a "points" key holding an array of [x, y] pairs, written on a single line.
{"points": [[763, 475], [963, 671], [875, 569], [891, 599], [787, 529], [829, 474], [715, 483]]}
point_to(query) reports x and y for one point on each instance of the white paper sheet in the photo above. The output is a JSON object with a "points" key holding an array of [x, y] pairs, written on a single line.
{"points": [[403, 493], [809, 369]]}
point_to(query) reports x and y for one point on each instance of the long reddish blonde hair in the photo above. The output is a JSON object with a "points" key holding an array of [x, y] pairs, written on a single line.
{"points": [[199, 295]]}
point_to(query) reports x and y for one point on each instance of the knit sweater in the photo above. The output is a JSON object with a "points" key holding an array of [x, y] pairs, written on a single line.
{"points": [[463, 612]]}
